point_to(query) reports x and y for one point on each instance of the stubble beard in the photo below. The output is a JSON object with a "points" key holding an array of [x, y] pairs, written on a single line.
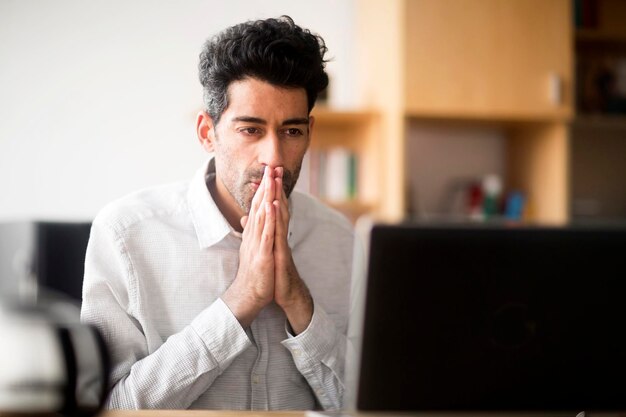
{"points": [[243, 192]]}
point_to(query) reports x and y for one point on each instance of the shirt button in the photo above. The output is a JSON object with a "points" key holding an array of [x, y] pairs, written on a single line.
{"points": [[255, 379], [297, 353]]}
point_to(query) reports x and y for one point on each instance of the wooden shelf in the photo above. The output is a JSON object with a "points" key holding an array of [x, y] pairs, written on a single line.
{"points": [[600, 122], [330, 116], [594, 35], [490, 117]]}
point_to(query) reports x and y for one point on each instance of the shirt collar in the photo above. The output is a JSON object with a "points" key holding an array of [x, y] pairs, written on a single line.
{"points": [[210, 224]]}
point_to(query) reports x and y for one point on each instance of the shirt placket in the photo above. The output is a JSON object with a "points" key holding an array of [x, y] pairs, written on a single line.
{"points": [[258, 377]]}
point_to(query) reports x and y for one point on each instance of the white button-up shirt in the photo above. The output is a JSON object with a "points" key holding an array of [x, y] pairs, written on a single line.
{"points": [[157, 263]]}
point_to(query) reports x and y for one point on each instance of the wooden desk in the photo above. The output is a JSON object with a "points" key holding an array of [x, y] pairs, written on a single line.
{"points": [[216, 413], [220, 413], [173, 413], [199, 413]]}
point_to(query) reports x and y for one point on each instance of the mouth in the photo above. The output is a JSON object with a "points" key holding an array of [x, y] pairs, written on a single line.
{"points": [[255, 185]]}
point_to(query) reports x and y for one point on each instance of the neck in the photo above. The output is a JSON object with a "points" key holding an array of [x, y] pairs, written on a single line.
{"points": [[226, 204]]}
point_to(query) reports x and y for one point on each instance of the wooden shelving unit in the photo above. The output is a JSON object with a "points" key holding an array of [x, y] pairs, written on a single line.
{"points": [[598, 132], [513, 67], [358, 131], [475, 62]]}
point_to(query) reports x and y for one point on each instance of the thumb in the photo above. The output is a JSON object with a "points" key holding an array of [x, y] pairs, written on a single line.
{"points": [[243, 221]]}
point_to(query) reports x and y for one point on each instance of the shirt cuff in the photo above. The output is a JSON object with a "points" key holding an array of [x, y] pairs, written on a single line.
{"points": [[315, 342], [221, 333]]}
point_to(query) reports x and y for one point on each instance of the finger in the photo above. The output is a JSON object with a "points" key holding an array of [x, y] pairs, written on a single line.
{"points": [[278, 175], [259, 216], [281, 226], [278, 185], [253, 213], [255, 226], [243, 221], [284, 202], [258, 195], [268, 180], [269, 229]]}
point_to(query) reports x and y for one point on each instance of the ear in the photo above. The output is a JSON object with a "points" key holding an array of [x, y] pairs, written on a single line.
{"points": [[205, 129]]}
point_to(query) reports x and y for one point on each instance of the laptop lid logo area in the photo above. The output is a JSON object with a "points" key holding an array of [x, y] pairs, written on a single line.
{"points": [[512, 327]]}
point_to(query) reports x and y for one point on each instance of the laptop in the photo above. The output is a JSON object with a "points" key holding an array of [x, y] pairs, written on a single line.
{"points": [[513, 321]]}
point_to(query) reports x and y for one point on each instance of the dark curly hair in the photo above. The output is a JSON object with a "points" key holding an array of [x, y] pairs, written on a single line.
{"points": [[273, 50]]}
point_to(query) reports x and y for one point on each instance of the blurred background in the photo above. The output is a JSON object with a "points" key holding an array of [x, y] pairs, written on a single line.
{"points": [[99, 98], [437, 110]]}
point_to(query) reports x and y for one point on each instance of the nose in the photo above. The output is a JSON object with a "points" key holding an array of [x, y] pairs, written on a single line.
{"points": [[271, 152]]}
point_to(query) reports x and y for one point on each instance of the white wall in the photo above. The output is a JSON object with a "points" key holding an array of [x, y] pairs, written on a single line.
{"points": [[98, 98]]}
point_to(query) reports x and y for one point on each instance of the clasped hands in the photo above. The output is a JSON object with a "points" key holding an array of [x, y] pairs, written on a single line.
{"points": [[267, 271]]}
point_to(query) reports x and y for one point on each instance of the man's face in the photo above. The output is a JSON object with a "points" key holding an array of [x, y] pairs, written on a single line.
{"points": [[262, 125]]}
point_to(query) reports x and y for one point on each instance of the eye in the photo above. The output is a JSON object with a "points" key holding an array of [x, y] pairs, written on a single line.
{"points": [[250, 131], [294, 132]]}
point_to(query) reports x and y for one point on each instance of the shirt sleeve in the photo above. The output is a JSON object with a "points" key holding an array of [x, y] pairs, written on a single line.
{"points": [[183, 367], [319, 354]]}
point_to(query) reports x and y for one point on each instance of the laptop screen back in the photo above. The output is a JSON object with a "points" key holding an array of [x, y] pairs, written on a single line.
{"points": [[494, 319]]}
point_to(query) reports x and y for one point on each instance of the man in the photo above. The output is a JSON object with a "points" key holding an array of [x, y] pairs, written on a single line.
{"points": [[231, 291]]}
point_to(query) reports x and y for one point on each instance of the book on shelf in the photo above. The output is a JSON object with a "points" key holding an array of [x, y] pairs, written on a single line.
{"points": [[330, 174]]}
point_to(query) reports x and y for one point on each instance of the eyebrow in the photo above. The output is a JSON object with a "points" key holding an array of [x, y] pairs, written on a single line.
{"points": [[258, 120]]}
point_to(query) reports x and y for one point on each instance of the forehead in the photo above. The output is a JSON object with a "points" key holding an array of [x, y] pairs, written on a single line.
{"points": [[253, 97]]}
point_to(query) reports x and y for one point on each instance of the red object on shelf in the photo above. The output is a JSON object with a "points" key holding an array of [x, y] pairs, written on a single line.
{"points": [[475, 198]]}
